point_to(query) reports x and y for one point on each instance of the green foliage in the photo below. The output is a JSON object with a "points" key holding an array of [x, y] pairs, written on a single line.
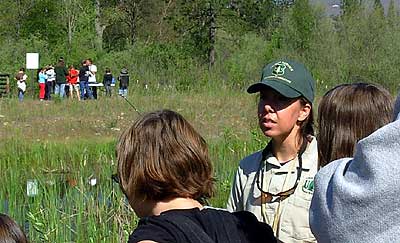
{"points": [[350, 6], [256, 15], [173, 41], [42, 20]]}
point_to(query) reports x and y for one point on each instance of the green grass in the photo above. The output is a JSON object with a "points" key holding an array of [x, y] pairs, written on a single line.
{"points": [[63, 144]]}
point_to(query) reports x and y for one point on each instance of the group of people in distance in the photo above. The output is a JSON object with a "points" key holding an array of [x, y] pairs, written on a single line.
{"points": [[62, 81], [338, 185]]}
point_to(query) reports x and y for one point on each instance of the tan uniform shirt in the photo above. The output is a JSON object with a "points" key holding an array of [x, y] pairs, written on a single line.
{"points": [[291, 222]]}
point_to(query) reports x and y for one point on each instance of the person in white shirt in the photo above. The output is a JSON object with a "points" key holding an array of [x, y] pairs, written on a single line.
{"points": [[92, 76]]}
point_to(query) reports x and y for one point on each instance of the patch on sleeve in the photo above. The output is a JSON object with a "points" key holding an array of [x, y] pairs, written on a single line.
{"points": [[308, 185]]}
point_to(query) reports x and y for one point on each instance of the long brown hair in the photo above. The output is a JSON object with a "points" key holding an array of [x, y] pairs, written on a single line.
{"points": [[161, 156], [10, 232], [348, 113]]}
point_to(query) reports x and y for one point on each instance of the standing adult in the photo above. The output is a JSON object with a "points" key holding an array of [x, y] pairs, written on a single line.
{"points": [[83, 81], [123, 82], [92, 76], [61, 73], [276, 183], [51, 78]]}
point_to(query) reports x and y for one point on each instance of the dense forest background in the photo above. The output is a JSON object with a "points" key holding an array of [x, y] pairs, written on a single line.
{"points": [[182, 44]]}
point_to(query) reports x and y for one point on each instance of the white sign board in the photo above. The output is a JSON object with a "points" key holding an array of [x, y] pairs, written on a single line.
{"points": [[32, 60], [32, 188]]}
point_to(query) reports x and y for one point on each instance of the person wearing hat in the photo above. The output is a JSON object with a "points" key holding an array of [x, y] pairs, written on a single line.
{"points": [[123, 82], [277, 182]]}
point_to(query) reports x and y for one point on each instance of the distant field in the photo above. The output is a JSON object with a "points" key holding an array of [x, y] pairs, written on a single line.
{"points": [[62, 146]]}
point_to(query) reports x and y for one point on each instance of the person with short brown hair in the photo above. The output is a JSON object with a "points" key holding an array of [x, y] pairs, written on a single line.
{"points": [[166, 173], [10, 232], [348, 113]]}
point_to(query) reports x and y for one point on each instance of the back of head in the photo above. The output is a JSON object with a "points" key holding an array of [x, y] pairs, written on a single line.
{"points": [[347, 114], [10, 232], [161, 157]]}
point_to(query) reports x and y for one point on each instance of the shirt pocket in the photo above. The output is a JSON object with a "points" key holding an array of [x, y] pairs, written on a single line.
{"points": [[295, 217]]}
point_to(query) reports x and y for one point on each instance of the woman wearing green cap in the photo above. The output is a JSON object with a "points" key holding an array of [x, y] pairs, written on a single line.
{"points": [[277, 182]]}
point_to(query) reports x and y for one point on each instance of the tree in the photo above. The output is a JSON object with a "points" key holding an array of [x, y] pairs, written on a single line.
{"points": [[196, 23], [349, 6], [392, 16], [298, 28], [42, 19], [70, 14], [379, 7]]}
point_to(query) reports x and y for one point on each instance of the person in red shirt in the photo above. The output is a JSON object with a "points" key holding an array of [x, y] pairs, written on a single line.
{"points": [[73, 82]]}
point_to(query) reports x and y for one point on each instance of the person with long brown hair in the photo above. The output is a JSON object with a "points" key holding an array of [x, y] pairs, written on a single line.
{"points": [[356, 195], [165, 171], [346, 114], [10, 232]]}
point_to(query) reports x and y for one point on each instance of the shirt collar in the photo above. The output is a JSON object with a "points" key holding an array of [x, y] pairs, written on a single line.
{"points": [[308, 158]]}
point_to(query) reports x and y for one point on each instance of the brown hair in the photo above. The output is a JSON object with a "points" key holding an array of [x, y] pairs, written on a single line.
{"points": [[348, 113], [10, 232], [161, 156]]}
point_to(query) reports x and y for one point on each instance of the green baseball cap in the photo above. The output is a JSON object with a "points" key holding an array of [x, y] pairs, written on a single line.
{"points": [[290, 78]]}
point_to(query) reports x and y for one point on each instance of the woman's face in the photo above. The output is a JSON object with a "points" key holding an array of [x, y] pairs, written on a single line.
{"points": [[279, 116]]}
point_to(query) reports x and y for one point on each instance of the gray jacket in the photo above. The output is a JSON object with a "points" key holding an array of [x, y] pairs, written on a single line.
{"points": [[358, 199]]}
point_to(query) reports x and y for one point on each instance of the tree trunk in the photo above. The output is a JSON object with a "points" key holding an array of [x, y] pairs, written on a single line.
{"points": [[99, 27], [212, 37]]}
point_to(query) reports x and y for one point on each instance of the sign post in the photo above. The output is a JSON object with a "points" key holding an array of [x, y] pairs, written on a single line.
{"points": [[32, 63]]}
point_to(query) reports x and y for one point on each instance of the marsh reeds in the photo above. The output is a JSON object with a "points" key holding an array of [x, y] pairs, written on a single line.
{"points": [[65, 150]]}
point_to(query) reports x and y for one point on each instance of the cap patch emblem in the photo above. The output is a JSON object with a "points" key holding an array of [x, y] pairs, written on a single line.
{"points": [[280, 67]]}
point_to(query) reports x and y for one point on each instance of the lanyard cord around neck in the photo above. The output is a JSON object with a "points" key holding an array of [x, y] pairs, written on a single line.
{"points": [[282, 195]]}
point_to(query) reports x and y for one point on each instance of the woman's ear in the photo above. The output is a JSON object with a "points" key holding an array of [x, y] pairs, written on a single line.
{"points": [[304, 112]]}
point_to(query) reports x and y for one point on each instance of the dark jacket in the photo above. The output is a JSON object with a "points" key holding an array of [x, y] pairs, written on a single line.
{"points": [[123, 79], [61, 73], [107, 79], [84, 74]]}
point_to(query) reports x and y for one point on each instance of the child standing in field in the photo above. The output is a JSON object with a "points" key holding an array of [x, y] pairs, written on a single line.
{"points": [[123, 82], [42, 83], [50, 82], [72, 79], [107, 80], [21, 78], [276, 183], [165, 172]]}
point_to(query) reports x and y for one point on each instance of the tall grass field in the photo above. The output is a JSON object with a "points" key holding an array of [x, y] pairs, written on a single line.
{"points": [[57, 157]]}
